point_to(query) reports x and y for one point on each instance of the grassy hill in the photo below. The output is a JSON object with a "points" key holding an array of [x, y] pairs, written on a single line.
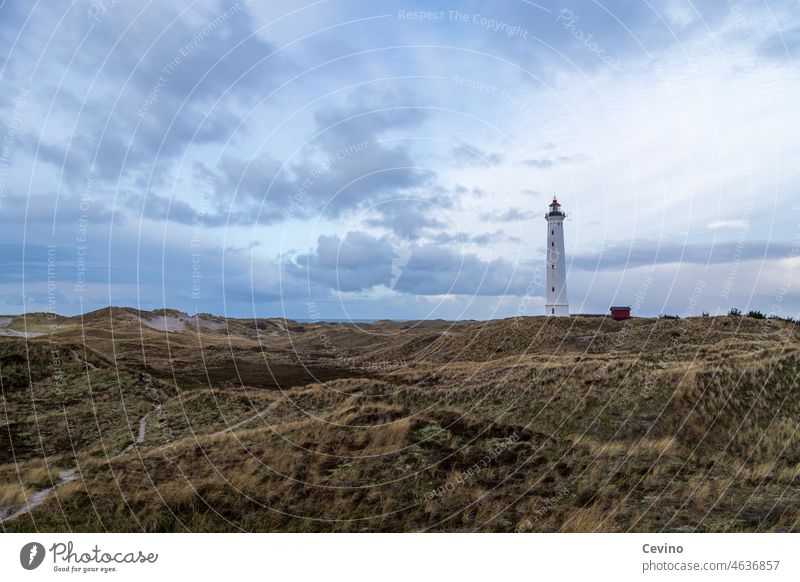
{"points": [[173, 422]]}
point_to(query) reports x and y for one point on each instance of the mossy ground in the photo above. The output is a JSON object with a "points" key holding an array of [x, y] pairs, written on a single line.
{"points": [[534, 424]]}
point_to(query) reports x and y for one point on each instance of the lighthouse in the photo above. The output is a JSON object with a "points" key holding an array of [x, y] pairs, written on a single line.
{"points": [[556, 304]]}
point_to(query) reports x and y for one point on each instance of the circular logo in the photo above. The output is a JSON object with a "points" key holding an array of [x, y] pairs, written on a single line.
{"points": [[31, 555]]}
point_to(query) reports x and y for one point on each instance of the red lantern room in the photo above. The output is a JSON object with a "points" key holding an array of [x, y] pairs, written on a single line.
{"points": [[555, 208]]}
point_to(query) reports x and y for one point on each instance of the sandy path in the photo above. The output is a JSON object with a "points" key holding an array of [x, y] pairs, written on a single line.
{"points": [[37, 498], [14, 333], [139, 437]]}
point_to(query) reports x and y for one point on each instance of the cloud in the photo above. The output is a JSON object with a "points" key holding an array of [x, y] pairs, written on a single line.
{"points": [[508, 215], [359, 169], [49, 212], [642, 252], [680, 13], [368, 117], [143, 85], [407, 218], [258, 189], [346, 167], [582, 35], [785, 45], [360, 262], [356, 263], [545, 163], [482, 239], [465, 155], [202, 111], [437, 270], [343, 169], [727, 224]]}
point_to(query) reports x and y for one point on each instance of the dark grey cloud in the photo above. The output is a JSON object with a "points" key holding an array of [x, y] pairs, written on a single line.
{"points": [[466, 155], [130, 92], [138, 268], [409, 219], [363, 181], [345, 168], [529, 192], [437, 270], [508, 215], [370, 115], [161, 208], [144, 83], [361, 261], [356, 263], [259, 189], [24, 262], [783, 45], [549, 162], [362, 169], [483, 239], [43, 210], [589, 36], [641, 252]]}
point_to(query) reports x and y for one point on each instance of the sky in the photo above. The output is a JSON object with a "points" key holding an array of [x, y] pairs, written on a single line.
{"points": [[366, 160]]}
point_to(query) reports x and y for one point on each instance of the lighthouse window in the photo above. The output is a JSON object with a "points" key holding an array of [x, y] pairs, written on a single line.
{"points": [[553, 266], [553, 289], [552, 244], [553, 311], [552, 232]]}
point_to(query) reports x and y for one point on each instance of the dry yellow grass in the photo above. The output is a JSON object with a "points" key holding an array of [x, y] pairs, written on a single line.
{"points": [[37, 476], [589, 519], [12, 494], [650, 425]]}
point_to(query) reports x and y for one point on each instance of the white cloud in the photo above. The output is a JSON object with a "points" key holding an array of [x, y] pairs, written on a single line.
{"points": [[736, 223], [680, 13]]}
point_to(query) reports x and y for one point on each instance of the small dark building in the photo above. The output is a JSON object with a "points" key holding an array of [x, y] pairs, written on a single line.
{"points": [[620, 313]]}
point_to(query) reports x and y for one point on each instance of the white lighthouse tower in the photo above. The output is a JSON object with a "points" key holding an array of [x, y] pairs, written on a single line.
{"points": [[556, 304]]}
